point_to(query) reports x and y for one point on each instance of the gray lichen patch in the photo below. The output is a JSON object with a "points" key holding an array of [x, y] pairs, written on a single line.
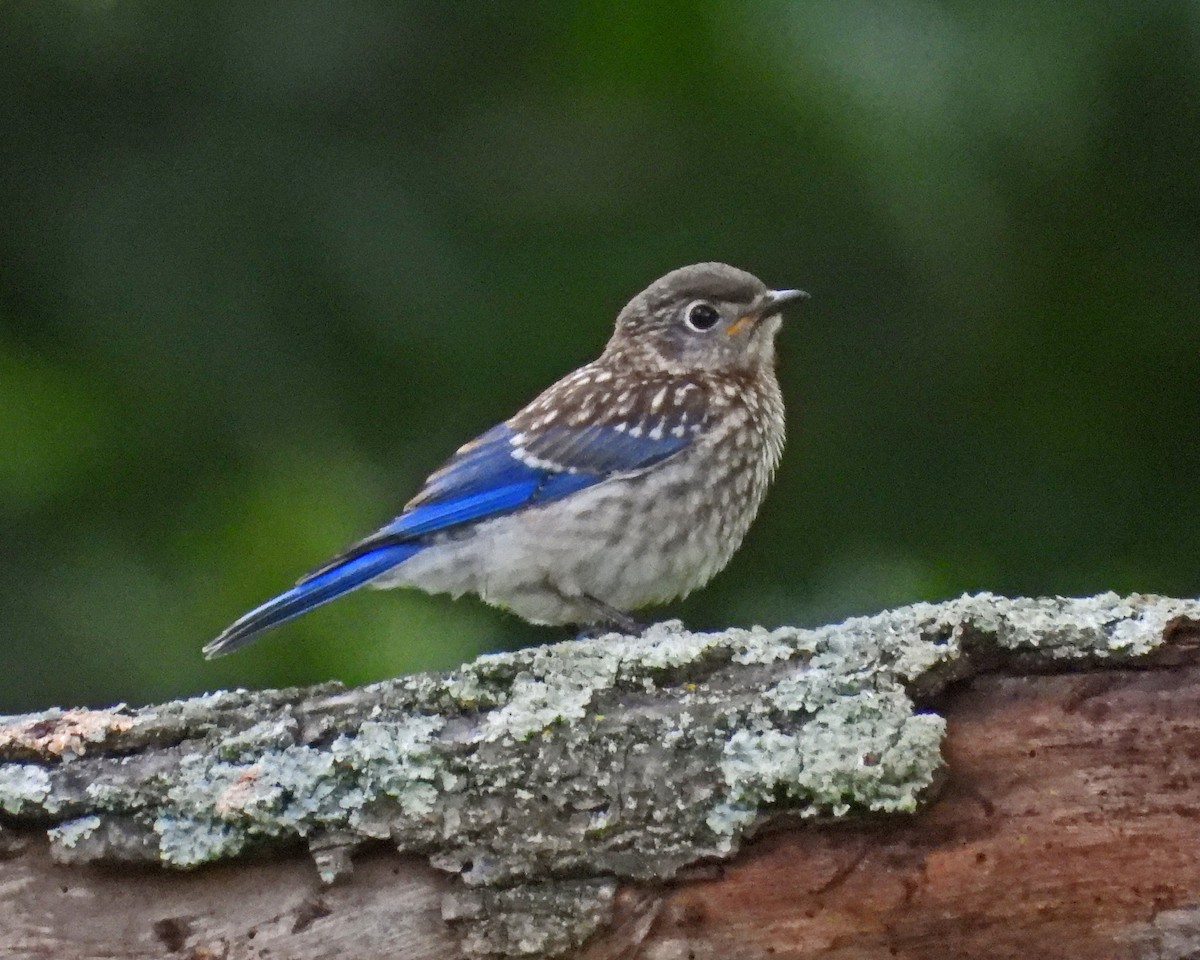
{"points": [[216, 807], [24, 788], [534, 920], [868, 752], [1102, 627], [540, 777], [71, 833], [559, 685], [1168, 935]]}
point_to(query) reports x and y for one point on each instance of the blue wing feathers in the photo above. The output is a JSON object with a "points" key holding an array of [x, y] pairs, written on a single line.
{"points": [[488, 477], [310, 594], [464, 508], [602, 449], [483, 464]]}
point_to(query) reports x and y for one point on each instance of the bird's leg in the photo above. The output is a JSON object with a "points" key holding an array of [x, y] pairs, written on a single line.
{"points": [[609, 617], [612, 617], [593, 631]]}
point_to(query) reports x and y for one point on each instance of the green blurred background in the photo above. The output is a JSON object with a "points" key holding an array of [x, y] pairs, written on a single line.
{"points": [[264, 265]]}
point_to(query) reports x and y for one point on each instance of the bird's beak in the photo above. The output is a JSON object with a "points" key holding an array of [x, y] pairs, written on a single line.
{"points": [[774, 299], [768, 305]]}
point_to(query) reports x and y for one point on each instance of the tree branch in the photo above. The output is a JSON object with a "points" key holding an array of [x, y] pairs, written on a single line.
{"points": [[581, 790]]}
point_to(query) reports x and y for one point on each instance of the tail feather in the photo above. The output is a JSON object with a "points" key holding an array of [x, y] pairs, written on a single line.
{"points": [[309, 594]]}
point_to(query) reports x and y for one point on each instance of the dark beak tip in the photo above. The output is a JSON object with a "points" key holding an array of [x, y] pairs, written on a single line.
{"points": [[779, 298]]}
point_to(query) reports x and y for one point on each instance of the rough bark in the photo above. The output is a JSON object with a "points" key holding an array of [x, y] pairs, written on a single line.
{"points": [[983, 777]]}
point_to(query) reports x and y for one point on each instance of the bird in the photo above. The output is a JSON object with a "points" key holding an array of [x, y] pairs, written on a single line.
{"points": [[628, 483]]}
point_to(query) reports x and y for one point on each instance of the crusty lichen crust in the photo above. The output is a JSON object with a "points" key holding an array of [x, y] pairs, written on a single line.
{"points": [[615, 758]]}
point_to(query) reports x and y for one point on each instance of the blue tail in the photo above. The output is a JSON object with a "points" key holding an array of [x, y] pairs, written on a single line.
{"points": [[310, 593]]}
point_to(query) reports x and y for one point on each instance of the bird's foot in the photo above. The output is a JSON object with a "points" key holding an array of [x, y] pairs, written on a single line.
{"points": [[594, 631], [611, 620]]}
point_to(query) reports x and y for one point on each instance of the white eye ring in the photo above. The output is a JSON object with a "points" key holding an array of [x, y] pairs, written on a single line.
{"points": [[702, 316]]}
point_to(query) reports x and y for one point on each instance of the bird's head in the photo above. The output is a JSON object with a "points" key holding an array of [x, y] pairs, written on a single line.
{"points": [[709, 316]]}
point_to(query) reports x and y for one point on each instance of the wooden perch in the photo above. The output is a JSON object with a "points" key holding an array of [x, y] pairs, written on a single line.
{"points": [[981, 778]]}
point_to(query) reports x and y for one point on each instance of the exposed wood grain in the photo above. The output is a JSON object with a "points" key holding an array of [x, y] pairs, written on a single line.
{"points": [[1070, 822], [389, 907], [1069, 827], [525, 789]]}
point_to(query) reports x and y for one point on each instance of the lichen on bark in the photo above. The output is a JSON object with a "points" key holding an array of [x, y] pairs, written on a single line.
{"points": [[540, 777]]}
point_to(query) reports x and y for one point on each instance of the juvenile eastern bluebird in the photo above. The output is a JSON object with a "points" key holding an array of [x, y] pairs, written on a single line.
{"points": [[629, 482]]}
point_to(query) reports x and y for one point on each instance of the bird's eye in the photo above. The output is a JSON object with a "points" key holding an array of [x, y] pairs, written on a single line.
{"points": [[702, 316]]}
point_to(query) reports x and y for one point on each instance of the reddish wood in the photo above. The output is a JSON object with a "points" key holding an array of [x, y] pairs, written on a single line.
{"points": [[1071, 820], [1069, 827]]}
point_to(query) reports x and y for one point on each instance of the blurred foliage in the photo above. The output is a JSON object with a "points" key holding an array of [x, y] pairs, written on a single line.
{"points": [[264, 265]]}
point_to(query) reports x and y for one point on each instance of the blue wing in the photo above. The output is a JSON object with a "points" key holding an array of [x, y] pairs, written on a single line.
{"points": [[504, 470], [309, 594], [499, 472]]}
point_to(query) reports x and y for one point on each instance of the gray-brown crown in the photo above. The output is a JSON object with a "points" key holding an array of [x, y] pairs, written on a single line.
{"points": [[700, 281], [708, 316]]}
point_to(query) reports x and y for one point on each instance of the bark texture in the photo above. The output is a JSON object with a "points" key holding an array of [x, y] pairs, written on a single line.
{"points": [[588, 799]]}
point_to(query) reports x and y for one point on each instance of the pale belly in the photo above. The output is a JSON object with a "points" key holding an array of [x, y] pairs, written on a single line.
{"points": [[628, 542]]}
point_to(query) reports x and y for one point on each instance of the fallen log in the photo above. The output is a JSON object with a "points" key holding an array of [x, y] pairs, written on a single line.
{"points": [[978, 778]]}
